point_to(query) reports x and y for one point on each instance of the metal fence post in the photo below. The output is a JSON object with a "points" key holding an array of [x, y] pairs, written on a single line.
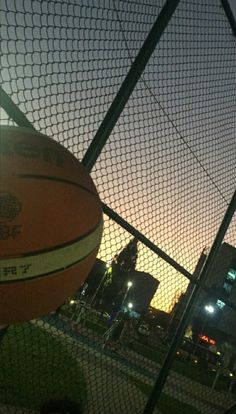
{"points": [[164, 371], [129, 84], [13, 111]]}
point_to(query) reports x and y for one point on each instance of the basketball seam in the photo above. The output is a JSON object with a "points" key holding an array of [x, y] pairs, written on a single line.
{"points": [[22, 268], [62, 269], [59, 179], [51, 249]]}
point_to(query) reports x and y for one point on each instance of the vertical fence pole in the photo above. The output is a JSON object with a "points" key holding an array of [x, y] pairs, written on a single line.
{"points": [[164, 371], [129, 84], [230, 16]]}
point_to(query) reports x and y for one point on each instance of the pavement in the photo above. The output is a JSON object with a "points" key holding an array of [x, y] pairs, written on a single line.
{"points": [[108, 392], [109, 387], [106, 374]]}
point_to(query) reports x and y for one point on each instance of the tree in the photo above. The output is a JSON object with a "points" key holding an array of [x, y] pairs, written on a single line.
{"points": [[127, 258], [123, 263]]}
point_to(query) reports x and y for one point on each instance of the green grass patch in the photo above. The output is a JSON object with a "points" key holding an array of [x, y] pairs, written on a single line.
{"points": [[35, 367]]}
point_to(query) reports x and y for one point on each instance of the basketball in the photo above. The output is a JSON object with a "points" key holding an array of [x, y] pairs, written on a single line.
{"points": [[50, 224]]}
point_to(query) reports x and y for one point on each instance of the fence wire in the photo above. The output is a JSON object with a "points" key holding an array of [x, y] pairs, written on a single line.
{"points": [[168, 169]]}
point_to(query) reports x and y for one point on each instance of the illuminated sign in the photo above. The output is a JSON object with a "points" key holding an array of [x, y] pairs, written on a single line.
{"points": [[207, 339]]}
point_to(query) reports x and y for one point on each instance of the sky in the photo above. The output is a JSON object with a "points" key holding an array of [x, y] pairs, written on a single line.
{"points": [[169, 165]]}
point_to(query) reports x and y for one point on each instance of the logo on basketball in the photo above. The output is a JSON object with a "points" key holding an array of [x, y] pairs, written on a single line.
{"points": [[10, 207]]}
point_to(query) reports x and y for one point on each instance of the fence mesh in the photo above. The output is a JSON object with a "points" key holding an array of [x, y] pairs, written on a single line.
{"points": [[168, 169]]}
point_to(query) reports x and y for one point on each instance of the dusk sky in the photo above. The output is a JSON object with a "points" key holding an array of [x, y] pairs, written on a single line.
{"points": [[169, 165]]}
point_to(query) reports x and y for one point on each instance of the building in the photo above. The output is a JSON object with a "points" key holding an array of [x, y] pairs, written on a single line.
{"points": [[213, 321], [143, 290], [222, 280], [140, 293]]}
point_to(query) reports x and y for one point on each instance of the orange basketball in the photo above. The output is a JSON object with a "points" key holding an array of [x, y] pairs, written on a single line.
{"points": [[50, 224]]}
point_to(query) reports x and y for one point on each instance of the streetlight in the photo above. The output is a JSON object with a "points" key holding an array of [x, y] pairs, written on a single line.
{"points": [[108, 271], [129, 285], [209, 308], [108, 264]]}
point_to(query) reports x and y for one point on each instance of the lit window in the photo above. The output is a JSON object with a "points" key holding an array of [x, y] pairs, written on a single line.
{"points": [[231, 275], [220, 304]]}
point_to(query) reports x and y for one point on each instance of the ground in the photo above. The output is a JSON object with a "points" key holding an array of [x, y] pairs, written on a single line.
{"points": [[115, 383]]}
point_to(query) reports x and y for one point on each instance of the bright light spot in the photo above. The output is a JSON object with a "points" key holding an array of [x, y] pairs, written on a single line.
{"points": [[129, 284], [231, 374], [209, 308], [195, 361], [108, 264], [72, 301], [130, 305], [218, 353], [177, 353]]}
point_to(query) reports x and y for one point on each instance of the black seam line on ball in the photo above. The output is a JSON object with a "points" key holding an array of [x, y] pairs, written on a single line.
{"points": [[51, 249], [62, 269], [57, 179]]}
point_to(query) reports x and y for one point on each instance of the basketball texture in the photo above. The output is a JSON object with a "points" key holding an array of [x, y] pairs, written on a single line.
{"points": [[50, 224]]}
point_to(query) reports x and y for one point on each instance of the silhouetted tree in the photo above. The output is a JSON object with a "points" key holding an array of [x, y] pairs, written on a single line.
{"points": [[127, 258], [123, 263]]}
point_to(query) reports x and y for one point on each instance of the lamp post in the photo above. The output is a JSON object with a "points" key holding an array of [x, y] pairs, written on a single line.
{"points": [[129, 285], [210, 309], [107, 271]]}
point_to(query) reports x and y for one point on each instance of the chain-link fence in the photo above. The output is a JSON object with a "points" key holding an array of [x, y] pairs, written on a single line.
{"points": [[166, 175]]}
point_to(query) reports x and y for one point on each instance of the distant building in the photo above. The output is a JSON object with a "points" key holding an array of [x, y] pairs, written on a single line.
{"points": [[222, 278], [143, 288], [213, 320]]}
